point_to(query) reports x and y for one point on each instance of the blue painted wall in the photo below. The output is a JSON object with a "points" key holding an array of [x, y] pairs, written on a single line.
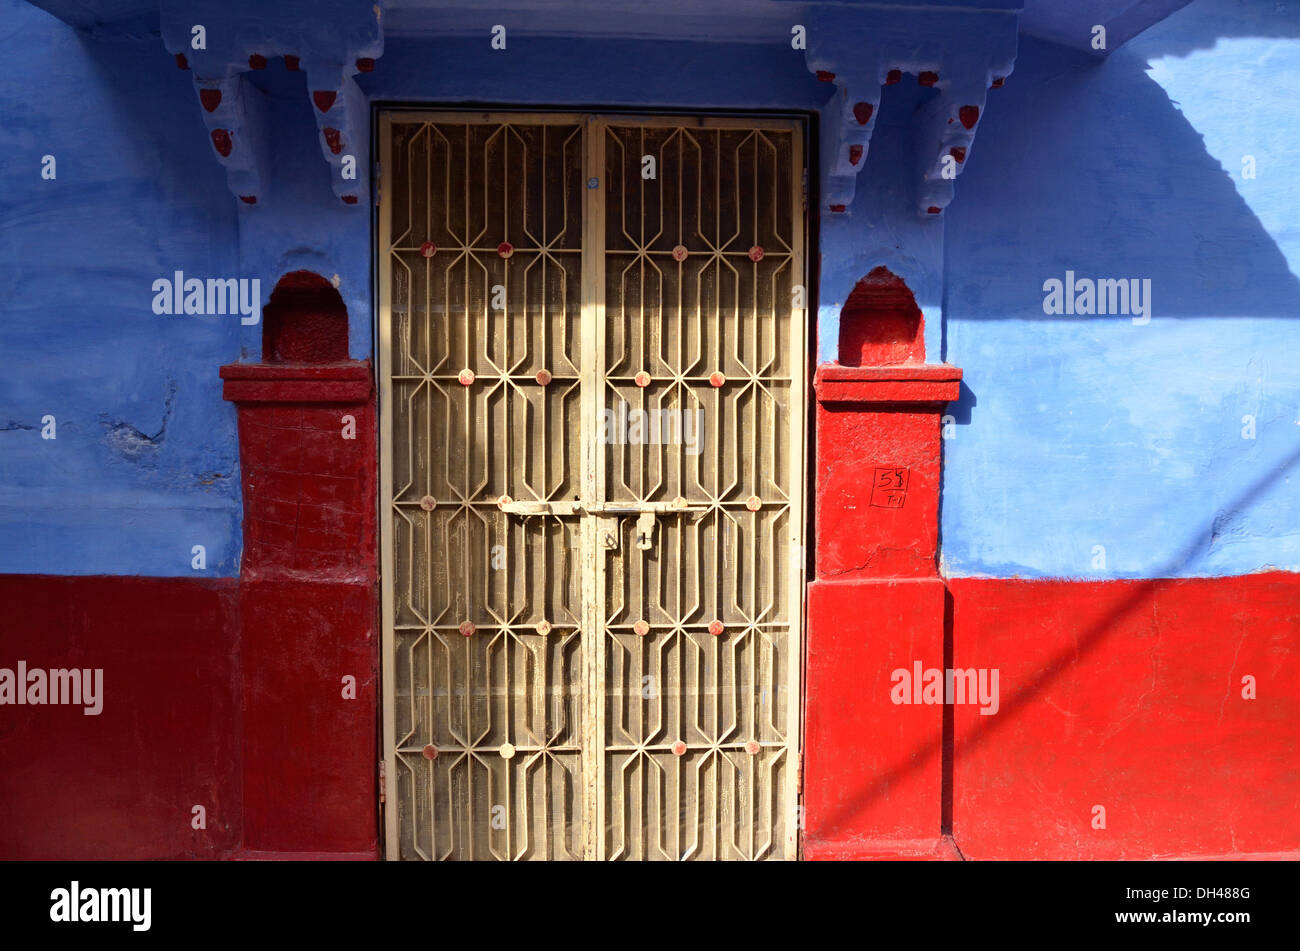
{"points": [[1073, 432], [144, 466], [1076, 432]]}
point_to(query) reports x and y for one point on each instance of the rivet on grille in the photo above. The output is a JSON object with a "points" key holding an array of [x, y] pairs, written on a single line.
{"points": [[507, 751], [679, 748], [679, 253], [467, 628], [504, 501], [752, 747], [543, 627], [430, 752], [466, 377], [717, 378], [428, 503], [544, 377], [428, 249], [505, 249], [753, 503], [716, 627], [642, 378], [756, 253], [641, 628]]}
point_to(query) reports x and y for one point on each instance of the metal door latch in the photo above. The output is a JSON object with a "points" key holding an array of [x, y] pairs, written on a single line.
{"points": [[645, 530], [645, 513]]}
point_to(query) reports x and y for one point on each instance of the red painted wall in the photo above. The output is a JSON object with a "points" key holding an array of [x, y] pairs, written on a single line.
{"points": [[872, 772], [1124, 694], [310, 754], [1128, 695], [309, 607], [121, 785], [873, 769], [1121, 694]]}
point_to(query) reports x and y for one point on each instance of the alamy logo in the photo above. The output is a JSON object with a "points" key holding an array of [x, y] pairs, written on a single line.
{"points": [[954, 685], [1084, 296], [103, 904], [36, 687], [216, 295], [653, 427]]}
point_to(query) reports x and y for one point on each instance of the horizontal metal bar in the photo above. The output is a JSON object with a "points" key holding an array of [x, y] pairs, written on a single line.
{"points": [[529, 507]]}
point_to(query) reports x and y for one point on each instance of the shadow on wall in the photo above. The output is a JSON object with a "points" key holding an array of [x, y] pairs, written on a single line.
{"points": [[1089, 167], [1104, 435]]}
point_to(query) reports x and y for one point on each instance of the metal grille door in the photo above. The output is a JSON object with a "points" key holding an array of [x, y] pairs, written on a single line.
{"points": [[591, 369]]}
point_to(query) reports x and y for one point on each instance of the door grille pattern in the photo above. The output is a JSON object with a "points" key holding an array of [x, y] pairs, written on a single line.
{"points": [[591, 627], [697, 734]]}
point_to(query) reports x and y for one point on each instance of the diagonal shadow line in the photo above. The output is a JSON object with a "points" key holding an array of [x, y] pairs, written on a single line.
{"points": [[945, 744]]}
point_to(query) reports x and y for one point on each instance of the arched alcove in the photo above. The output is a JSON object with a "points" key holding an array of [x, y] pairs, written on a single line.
{"points": [[880, 323], [305, 321]]}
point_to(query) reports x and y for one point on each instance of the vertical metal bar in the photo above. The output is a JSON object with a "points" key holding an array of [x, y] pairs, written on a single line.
{"points": [[592, 401], [798, 415], [384, 373]]}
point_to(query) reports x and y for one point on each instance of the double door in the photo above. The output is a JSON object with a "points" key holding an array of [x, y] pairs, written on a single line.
{"points": [[591, 362]]}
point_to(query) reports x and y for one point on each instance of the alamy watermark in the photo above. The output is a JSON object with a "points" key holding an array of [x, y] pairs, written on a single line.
{"points": [[215, 296], [1084, 296], [654, 427], [36, 686], [954, 685], [75, 904]]}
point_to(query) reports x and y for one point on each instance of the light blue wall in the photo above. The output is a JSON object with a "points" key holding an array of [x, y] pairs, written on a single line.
{"points": [[137, 196], [1075, 432], [1072, 432]]}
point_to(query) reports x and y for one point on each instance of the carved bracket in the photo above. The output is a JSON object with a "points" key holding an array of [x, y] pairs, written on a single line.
{"points": [[223, 42], [961, 54]]}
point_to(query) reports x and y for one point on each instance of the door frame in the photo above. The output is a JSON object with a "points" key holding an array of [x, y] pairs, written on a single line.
{"points": [[803, 360]]}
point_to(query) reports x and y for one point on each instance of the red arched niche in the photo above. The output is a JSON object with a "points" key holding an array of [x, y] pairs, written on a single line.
{"points": [[880, 324], [305, 321]]}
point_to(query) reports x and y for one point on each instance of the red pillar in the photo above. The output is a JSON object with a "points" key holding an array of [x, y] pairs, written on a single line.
{"points": [[873, 767], [308, 608]]}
